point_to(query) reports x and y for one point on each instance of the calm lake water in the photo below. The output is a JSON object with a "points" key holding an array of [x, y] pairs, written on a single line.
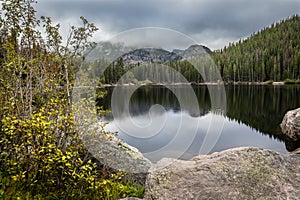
{"points": [[160, 127]]}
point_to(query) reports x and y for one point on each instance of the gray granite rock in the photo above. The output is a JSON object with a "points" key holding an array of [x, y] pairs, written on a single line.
{"points": [[290, 125], [116, 154], [240, 173]]}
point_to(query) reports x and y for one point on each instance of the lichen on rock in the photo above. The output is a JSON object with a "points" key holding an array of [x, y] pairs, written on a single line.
{"points": [[240, 173]]}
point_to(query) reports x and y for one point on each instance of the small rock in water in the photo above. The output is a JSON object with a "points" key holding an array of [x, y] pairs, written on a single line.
{"points": [[290, 127]]}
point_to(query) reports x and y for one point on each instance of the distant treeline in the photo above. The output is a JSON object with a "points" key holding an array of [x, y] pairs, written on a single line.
{"points": [[270, 54]]}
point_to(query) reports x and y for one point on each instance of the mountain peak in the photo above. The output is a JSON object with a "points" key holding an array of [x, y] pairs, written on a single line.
{"points": [[149, 55], [196, 50], [133, 56]]}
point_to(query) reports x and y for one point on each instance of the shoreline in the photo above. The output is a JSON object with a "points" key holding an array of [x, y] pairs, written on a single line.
{"points": [[279, 83]]}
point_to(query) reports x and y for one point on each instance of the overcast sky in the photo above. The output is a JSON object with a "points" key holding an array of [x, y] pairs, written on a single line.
{"points": [[213, 23]]}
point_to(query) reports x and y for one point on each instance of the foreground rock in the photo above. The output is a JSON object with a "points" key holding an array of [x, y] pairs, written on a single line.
{"points": [[241, 173], [290, 125], [118, 155]]}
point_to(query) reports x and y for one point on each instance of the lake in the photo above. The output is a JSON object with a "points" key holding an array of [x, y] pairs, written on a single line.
{"points": [[160, 127]]}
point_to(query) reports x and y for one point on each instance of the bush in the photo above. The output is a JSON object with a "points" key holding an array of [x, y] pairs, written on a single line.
{"points": [[41, 154], [42, 158], [289, 81]]}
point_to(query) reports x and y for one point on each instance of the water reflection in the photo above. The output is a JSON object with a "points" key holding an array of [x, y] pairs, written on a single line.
{"points": [[252, 119]]}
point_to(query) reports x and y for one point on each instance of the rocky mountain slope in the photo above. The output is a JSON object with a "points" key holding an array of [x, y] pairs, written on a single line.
{"points": [[132, 56], [193, 50], [149, 55]]}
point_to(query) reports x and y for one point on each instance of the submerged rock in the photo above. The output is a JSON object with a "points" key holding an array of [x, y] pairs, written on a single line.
{"points": [[290, 144], [240, 173]]}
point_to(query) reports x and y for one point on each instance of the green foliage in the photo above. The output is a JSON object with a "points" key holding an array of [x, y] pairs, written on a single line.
{"points": [[157, 72], [116, 190], [289, 81], [41, 153], [42, 157]]}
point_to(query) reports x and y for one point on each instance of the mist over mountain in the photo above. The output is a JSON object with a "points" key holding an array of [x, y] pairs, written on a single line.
{"points": [[132, 56], [108, 50], [271, 54]]}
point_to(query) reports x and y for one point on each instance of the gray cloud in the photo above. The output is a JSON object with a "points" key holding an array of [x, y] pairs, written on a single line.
{"points": [[211, 22]]}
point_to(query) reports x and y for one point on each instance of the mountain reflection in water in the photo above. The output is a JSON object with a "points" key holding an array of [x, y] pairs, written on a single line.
{"points": [[252, 119]]}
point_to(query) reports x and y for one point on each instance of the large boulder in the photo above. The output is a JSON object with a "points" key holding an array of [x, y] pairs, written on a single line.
{"points": [[290, 125], [240, 173], [118, 156]]}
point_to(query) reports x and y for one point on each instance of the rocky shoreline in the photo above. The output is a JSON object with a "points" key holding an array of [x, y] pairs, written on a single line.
{"points": [[195, 84], [238, 173]]}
